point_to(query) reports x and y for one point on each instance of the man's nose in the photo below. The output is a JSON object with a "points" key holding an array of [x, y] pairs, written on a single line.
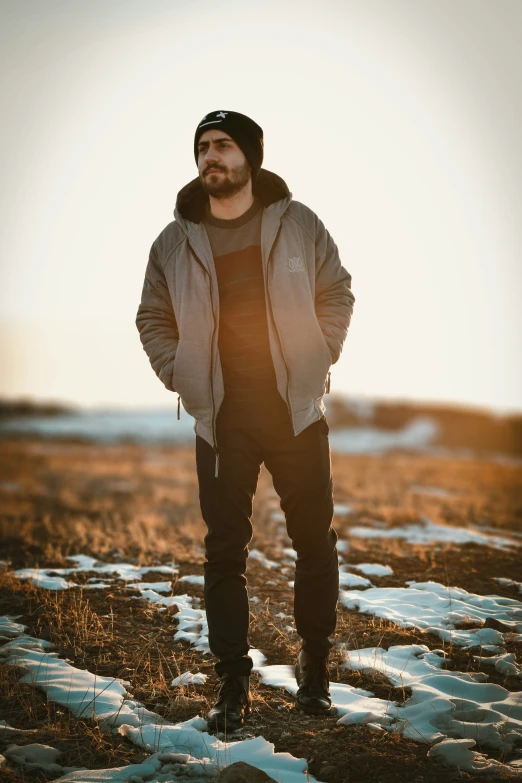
{"points": [[211, 155]]}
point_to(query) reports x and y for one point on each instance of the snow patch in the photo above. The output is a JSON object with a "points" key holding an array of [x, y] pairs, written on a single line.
{"points": [[438, 492], [262, 559], [433, 607], [36, 756], [192, 623], [508, 582], [428, 532], [193, 579], [417, 435], [443, 703], [6, 730], [444, 706], [347, 579], [107, 700], [458, 753], [373, 569], [52, 578], [158, 587], [187, 678]]}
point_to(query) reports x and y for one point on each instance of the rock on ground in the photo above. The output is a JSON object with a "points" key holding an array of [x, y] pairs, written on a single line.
{"points": [[241, 772]]}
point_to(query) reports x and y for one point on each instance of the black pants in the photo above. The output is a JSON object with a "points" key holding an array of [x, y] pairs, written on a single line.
{"points": [[301, 472]]}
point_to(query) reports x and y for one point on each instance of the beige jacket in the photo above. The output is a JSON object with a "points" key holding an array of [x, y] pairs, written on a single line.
{"points": [[308, 297]]}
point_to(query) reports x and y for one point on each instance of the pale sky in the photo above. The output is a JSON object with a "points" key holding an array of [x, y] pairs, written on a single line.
{"points": [[397, 121]]}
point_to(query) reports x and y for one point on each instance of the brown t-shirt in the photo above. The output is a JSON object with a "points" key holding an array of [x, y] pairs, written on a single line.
{"points": [[251, 395]]}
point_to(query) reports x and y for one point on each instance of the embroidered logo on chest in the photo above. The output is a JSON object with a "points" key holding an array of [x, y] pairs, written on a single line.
{"points": [[295, 264]]}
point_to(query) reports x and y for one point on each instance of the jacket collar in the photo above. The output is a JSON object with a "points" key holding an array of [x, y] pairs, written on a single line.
{"points": [[269, 189]]}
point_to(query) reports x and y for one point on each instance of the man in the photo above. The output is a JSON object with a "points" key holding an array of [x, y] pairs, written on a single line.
{"points": [[245, 307]]}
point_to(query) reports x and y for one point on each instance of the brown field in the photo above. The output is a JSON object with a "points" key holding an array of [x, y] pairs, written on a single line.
{"points": [[115, 502]]}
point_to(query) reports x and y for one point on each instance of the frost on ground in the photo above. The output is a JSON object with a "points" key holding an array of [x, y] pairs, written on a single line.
{"points": [[433, 607], [9, 731], [107, 700], [347, 579], [374, 569], [508, 583], [257, 555], [193, 579], [443, 703], [428, 532], [188, 678], [458, 753], [419, 433], [438, 492], [52, 578], [192, 622], [449, 710], [36, 756]]}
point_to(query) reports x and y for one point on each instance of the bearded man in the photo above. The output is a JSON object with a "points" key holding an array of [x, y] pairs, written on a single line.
{"points": [[245, 307]]}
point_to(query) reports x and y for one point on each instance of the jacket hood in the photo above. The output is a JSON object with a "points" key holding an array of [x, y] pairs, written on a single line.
{"points": [[192, 199]]}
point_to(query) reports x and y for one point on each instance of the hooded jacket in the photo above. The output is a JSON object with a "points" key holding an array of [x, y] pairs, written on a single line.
{"points": [[308, 297]]}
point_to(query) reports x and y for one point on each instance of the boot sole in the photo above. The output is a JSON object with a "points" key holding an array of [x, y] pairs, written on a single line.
{"points": [[315, 710]]}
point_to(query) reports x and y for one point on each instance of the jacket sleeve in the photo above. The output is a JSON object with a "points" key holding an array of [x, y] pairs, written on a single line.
{"points": [[156, 321], [333, 296]]}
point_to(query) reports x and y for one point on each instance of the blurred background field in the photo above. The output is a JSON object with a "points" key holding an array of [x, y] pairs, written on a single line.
{"points": [[357, 425], [113, 479]]}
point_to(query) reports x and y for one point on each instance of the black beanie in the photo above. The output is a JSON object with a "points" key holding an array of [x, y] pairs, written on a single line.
{"points": [[246, 133]]}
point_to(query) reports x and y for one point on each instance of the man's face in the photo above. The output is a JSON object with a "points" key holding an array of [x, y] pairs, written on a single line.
{"points": [[223, 168]]}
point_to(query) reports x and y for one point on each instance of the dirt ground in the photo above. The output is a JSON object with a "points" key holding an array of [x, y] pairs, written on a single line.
{"points": [[124, 502]]}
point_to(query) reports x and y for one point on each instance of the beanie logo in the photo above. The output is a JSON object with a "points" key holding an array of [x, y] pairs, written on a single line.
{"points": [[222, 115], [295, 264]]}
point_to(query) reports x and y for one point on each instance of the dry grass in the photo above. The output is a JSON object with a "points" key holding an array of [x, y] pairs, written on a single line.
{"points": [[117, 502]]}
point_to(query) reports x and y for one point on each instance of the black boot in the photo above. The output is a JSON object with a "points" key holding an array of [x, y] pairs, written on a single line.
{"points": [[232, 704], [311, 674]]}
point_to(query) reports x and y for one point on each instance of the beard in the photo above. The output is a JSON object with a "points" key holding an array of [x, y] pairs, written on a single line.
{"points": [[228, 185]]}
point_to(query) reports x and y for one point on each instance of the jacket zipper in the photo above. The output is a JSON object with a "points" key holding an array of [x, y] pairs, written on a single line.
{"points": [[214, 436]]}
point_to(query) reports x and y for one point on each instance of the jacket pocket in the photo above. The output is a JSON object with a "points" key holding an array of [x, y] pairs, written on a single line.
{"points": [[329, 358], [320, 369], [191, 378], [165, 375]]}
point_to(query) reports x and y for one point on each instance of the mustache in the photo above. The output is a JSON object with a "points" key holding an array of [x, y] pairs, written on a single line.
{"points": [[213, 167]]}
